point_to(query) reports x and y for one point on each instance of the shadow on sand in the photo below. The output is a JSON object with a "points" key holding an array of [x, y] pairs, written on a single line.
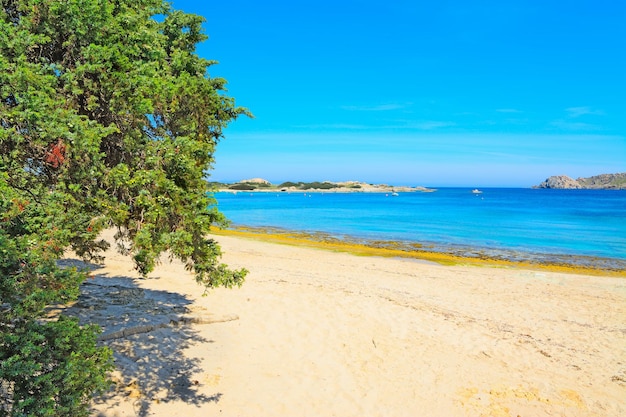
{"points": [[151, 366]]}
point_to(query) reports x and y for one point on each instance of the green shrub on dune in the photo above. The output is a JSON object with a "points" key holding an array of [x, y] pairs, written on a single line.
{"points": [[316, 185], [242, 187]]}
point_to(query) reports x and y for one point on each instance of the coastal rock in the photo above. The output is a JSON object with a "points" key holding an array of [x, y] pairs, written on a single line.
{"points": [[605, 181], [560, 182], [597, 182]]}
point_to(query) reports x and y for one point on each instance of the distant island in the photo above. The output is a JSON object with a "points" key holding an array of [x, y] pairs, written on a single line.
{"points": [[597, 182], [259, 184]]}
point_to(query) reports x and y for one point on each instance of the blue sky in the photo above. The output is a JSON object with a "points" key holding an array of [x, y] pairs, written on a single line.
{"points": [[434, 93]]}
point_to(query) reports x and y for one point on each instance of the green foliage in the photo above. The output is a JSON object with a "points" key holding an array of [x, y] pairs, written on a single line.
{"points": [[53, 367], [108, 118], [316, 185], [244, 187], [290, 184]]}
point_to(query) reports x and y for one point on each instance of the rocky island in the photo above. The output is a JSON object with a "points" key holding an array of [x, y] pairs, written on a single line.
{"points": [[259, 184], [597, 182]]}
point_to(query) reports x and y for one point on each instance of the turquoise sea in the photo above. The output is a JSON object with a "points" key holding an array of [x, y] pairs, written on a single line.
{"points": [[570, 226]]}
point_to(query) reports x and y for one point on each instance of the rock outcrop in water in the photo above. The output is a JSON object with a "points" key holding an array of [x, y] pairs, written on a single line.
{"points": [[597, 182], [559, 181]]}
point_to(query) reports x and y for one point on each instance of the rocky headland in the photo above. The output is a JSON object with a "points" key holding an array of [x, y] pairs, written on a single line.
{"points": [[597, 182]]}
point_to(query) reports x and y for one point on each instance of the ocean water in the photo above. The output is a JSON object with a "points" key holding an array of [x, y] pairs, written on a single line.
{"points": [[524, 224]]}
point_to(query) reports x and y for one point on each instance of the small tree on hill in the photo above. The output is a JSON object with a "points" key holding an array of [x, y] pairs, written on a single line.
{"points": [[108, 117]]}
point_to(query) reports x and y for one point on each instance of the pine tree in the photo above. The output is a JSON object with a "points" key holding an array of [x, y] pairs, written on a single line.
{"points": [[108, 118]]}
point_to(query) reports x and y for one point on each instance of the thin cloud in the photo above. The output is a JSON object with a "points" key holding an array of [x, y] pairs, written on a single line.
{"points": [[380, 107], [341, 126], [430, 125], [574, 112], [574, 126], [508, 111]]}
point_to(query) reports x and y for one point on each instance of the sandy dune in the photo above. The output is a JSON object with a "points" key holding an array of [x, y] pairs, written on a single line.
{"points": [[316, 333]]}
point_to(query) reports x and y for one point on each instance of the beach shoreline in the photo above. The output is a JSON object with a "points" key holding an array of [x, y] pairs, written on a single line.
{"points": [[577, 264], [558, 228]]}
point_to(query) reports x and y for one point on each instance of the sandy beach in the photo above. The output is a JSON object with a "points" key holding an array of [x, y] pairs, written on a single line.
{"points": [[321, 333]]}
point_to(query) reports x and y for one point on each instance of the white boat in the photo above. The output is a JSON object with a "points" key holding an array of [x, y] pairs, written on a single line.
{"points": [[394, 194], [476, 191]]}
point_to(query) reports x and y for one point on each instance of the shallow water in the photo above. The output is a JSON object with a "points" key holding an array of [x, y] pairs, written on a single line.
{"points": [[518, 224]]}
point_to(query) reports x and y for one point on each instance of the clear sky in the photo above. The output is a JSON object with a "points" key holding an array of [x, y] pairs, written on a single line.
{"points": [[435, 93]]}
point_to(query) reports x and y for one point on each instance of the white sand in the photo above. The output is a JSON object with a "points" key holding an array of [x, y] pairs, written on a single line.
{"points": [[331, 334]]}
